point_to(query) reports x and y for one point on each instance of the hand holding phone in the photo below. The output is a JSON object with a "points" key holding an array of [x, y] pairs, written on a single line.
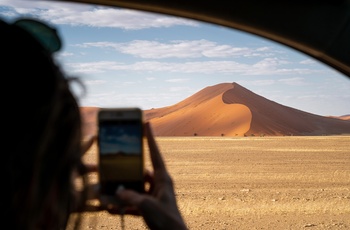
{"points": [[159, 206]]}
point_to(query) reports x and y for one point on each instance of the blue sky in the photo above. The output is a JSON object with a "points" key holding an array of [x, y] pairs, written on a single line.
{"points": [[131, 58]]}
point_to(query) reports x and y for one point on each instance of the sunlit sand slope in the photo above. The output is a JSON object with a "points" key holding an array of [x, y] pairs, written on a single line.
{"points": [[229, 109]]}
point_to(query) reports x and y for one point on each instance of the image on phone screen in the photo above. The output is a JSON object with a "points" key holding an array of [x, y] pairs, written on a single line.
{"points": [[121, 160]]}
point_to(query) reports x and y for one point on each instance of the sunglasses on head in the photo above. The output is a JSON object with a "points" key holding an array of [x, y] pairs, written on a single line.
{"points": [[45, 34]]}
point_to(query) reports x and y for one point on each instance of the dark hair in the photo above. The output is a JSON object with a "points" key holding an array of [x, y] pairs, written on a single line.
{"points": [[42, 133]]}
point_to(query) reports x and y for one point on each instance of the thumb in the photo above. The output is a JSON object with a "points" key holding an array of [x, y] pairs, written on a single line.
{"points": [[129, 198]]}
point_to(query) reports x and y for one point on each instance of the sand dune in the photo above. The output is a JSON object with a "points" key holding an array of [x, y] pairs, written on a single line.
{"points": [[344, 117], [89, 116], [202, 114], [228, 109]]}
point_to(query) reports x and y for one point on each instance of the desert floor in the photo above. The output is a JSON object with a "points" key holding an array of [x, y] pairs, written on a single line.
{"points": [[252, 183]]}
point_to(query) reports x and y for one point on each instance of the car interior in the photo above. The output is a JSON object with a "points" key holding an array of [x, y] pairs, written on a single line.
{"points": [[319, 29]]}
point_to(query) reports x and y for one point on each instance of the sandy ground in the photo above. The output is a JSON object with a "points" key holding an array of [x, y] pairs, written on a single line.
{"points": [[253, 183]]}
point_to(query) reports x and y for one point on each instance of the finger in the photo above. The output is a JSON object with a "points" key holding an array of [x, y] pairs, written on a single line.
{"points": [[154, 215], [84, 169], [149, 178], [109, 209], [87, 143], [112, 209], [129, 198], [127, 202], [156, 158], [124, 211], [91, 192], [91, 168]]}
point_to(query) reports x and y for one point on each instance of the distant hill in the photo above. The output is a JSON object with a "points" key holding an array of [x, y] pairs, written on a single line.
{"points": [[344, 117], [89, 116], [228, 109]]}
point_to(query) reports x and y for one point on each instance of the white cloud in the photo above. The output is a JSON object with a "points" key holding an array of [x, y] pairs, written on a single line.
{"points": [[179, 89], [94, 16], [94, 82], [177, 80], [307, 62], [257, 82], [273, 66], [66, 54], [293, 81], [204, 67], [180, 49]]}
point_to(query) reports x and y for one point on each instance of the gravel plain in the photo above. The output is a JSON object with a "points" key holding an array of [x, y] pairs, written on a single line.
{"points": [[252, 183]]}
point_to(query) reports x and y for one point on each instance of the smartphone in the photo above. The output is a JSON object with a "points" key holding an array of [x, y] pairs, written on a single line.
{"points": [[120, 150]]}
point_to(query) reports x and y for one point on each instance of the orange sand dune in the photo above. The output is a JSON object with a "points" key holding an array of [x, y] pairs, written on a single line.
{"points": [[202, 114], [89, 116], [344, 117], [229, 109]]}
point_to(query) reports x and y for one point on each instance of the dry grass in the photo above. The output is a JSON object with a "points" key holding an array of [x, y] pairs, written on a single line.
{"points": [[254, 183]]}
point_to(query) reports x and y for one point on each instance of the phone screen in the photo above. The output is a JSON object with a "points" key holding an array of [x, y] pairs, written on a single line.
{"points": [[120, 155]]}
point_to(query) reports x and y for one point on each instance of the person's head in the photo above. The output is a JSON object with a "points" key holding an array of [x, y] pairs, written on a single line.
{"points": [[41, 132]]}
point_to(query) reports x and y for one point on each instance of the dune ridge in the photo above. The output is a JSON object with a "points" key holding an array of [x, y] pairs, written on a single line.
{"points": [[89, 120], [343, 117], [228, 109]]}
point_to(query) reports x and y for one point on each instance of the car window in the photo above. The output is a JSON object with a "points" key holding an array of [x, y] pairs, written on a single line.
{"points": [[125, 57], [214, 95]]}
